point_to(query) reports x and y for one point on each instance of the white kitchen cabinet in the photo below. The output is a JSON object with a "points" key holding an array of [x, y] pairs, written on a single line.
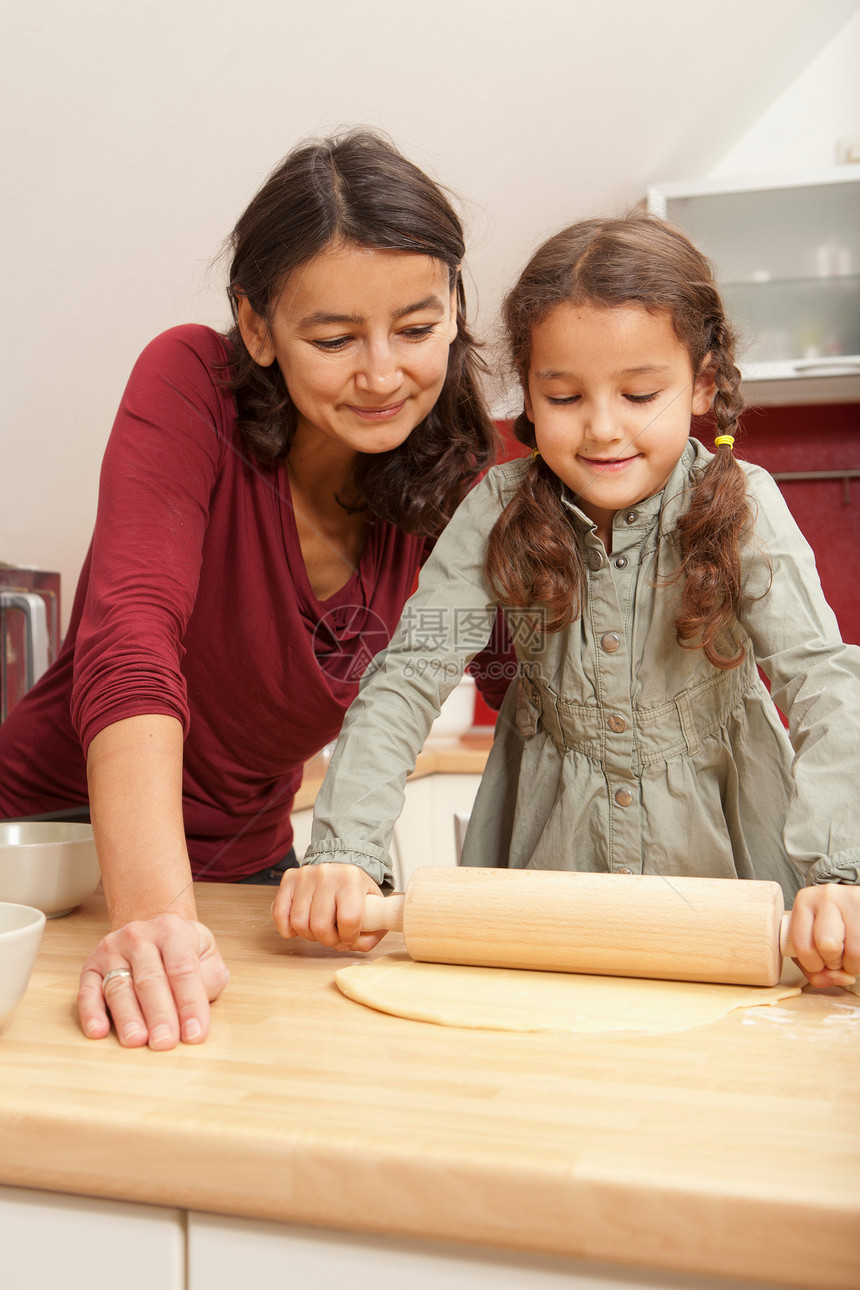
{"points": [[424, 834], [787, 253], [49, 1239], [302, 821], [227, 1252]]}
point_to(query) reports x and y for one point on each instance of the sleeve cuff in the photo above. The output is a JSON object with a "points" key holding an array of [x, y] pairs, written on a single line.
{"points": [[843, 868], [373, 860]]}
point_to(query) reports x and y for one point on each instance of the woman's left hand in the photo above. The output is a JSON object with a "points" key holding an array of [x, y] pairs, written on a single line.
{"points": [[825, 933]]}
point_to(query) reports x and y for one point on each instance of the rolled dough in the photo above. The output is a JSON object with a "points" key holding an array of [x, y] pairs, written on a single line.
{"points": [[509, 999]]}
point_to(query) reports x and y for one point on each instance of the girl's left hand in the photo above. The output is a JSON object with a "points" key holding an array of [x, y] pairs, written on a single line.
{"points": [[825, 933]]}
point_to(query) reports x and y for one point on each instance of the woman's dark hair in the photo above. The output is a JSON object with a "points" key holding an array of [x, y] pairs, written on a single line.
{"points": [[357, 188], [531, 561]]}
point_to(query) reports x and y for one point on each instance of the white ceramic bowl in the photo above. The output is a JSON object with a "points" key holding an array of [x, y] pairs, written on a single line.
{"points": [[48, 865], [20, 933]]}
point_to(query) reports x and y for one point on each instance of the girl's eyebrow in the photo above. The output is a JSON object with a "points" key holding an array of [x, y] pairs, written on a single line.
{"points": [[554, 374], [322, 318], [645, 368]]}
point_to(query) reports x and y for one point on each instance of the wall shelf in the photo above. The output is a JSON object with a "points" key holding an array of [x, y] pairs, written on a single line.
{"points": [[787, 253]]}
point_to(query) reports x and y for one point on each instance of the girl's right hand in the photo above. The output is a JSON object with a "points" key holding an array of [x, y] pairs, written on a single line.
{"points": [[325, 903], [176, 971]]}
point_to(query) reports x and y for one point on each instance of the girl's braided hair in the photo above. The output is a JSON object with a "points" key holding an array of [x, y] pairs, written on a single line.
{"points": [[531, 559]]}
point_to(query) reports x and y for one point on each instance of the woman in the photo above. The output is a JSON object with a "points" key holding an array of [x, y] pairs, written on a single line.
{"points": [[265, 504]]}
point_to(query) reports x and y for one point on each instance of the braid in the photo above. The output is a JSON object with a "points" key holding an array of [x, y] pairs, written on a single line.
{"points": [[710, 532], [532, 558], [728, 401]]}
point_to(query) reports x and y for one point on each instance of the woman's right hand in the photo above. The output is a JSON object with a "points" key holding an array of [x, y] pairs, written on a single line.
{"points": [[325, 903], [134, 769], [176, 971]]}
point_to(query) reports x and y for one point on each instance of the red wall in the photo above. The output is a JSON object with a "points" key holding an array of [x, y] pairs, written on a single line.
{"points": [[826, 437], [827, 511]]}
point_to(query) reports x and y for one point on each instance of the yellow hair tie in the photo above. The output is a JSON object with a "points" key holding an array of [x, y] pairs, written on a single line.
{"points": [[724, 438], [534, 454]]}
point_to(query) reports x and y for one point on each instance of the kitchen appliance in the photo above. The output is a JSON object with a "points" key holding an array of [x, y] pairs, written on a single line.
{"points": [[29, 630]]}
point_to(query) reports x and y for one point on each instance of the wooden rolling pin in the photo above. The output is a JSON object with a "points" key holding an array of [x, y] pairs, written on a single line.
{"points": [[678, 929]]}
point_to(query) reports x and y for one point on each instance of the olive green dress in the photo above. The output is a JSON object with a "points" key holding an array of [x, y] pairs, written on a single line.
{"points": [[616, 750]]}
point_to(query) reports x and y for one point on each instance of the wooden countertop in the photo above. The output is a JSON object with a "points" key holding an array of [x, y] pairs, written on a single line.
{"points": [[731, 1150], [465, 756]]}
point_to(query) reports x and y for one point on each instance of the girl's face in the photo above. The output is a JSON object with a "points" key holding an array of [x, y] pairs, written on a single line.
{"points": [[361, 337], [611, 392]]}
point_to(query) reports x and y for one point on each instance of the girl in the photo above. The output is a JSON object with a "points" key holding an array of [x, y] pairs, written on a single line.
{"points": [[643, 578], [265, 502]]}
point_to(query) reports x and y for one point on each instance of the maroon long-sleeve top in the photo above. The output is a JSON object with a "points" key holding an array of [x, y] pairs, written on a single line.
{"points": [[194, 602]]}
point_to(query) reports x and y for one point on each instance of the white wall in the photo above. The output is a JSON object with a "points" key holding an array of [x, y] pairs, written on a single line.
{"points": [[800, 128], [135, 132]]}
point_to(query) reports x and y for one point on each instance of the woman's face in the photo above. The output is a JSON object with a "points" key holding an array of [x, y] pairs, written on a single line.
{"points": [[361, 337]]}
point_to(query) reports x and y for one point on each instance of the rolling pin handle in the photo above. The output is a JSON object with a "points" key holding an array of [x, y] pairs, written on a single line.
{"points": [[786, 948], [383, 913]]}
